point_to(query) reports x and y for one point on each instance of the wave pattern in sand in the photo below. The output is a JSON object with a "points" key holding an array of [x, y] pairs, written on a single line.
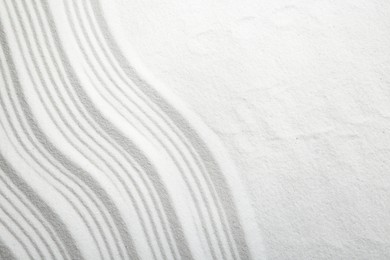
{"points": [[95, 163]]}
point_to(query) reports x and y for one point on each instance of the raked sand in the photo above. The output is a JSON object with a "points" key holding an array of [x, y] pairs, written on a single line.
{"points": [[299, 93], [194, 129], [97, 159]]}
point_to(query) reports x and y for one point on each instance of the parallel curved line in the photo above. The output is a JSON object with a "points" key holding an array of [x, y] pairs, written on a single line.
{"points": [[63, 160], [181, 123], [99, 227], [50, 216], [85, 33], [68, 188], [99, 158], [133, 178]]}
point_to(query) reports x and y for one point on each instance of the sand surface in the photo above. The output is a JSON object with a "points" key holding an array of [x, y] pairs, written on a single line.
{"points": [[196, 129], [299, 92], [98, 159]]}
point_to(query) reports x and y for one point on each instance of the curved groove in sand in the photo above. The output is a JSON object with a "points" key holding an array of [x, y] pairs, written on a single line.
{"points": [[95, 162]]}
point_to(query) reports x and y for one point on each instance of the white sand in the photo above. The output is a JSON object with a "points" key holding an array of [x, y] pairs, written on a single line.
{"points": [[299, 92]]}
